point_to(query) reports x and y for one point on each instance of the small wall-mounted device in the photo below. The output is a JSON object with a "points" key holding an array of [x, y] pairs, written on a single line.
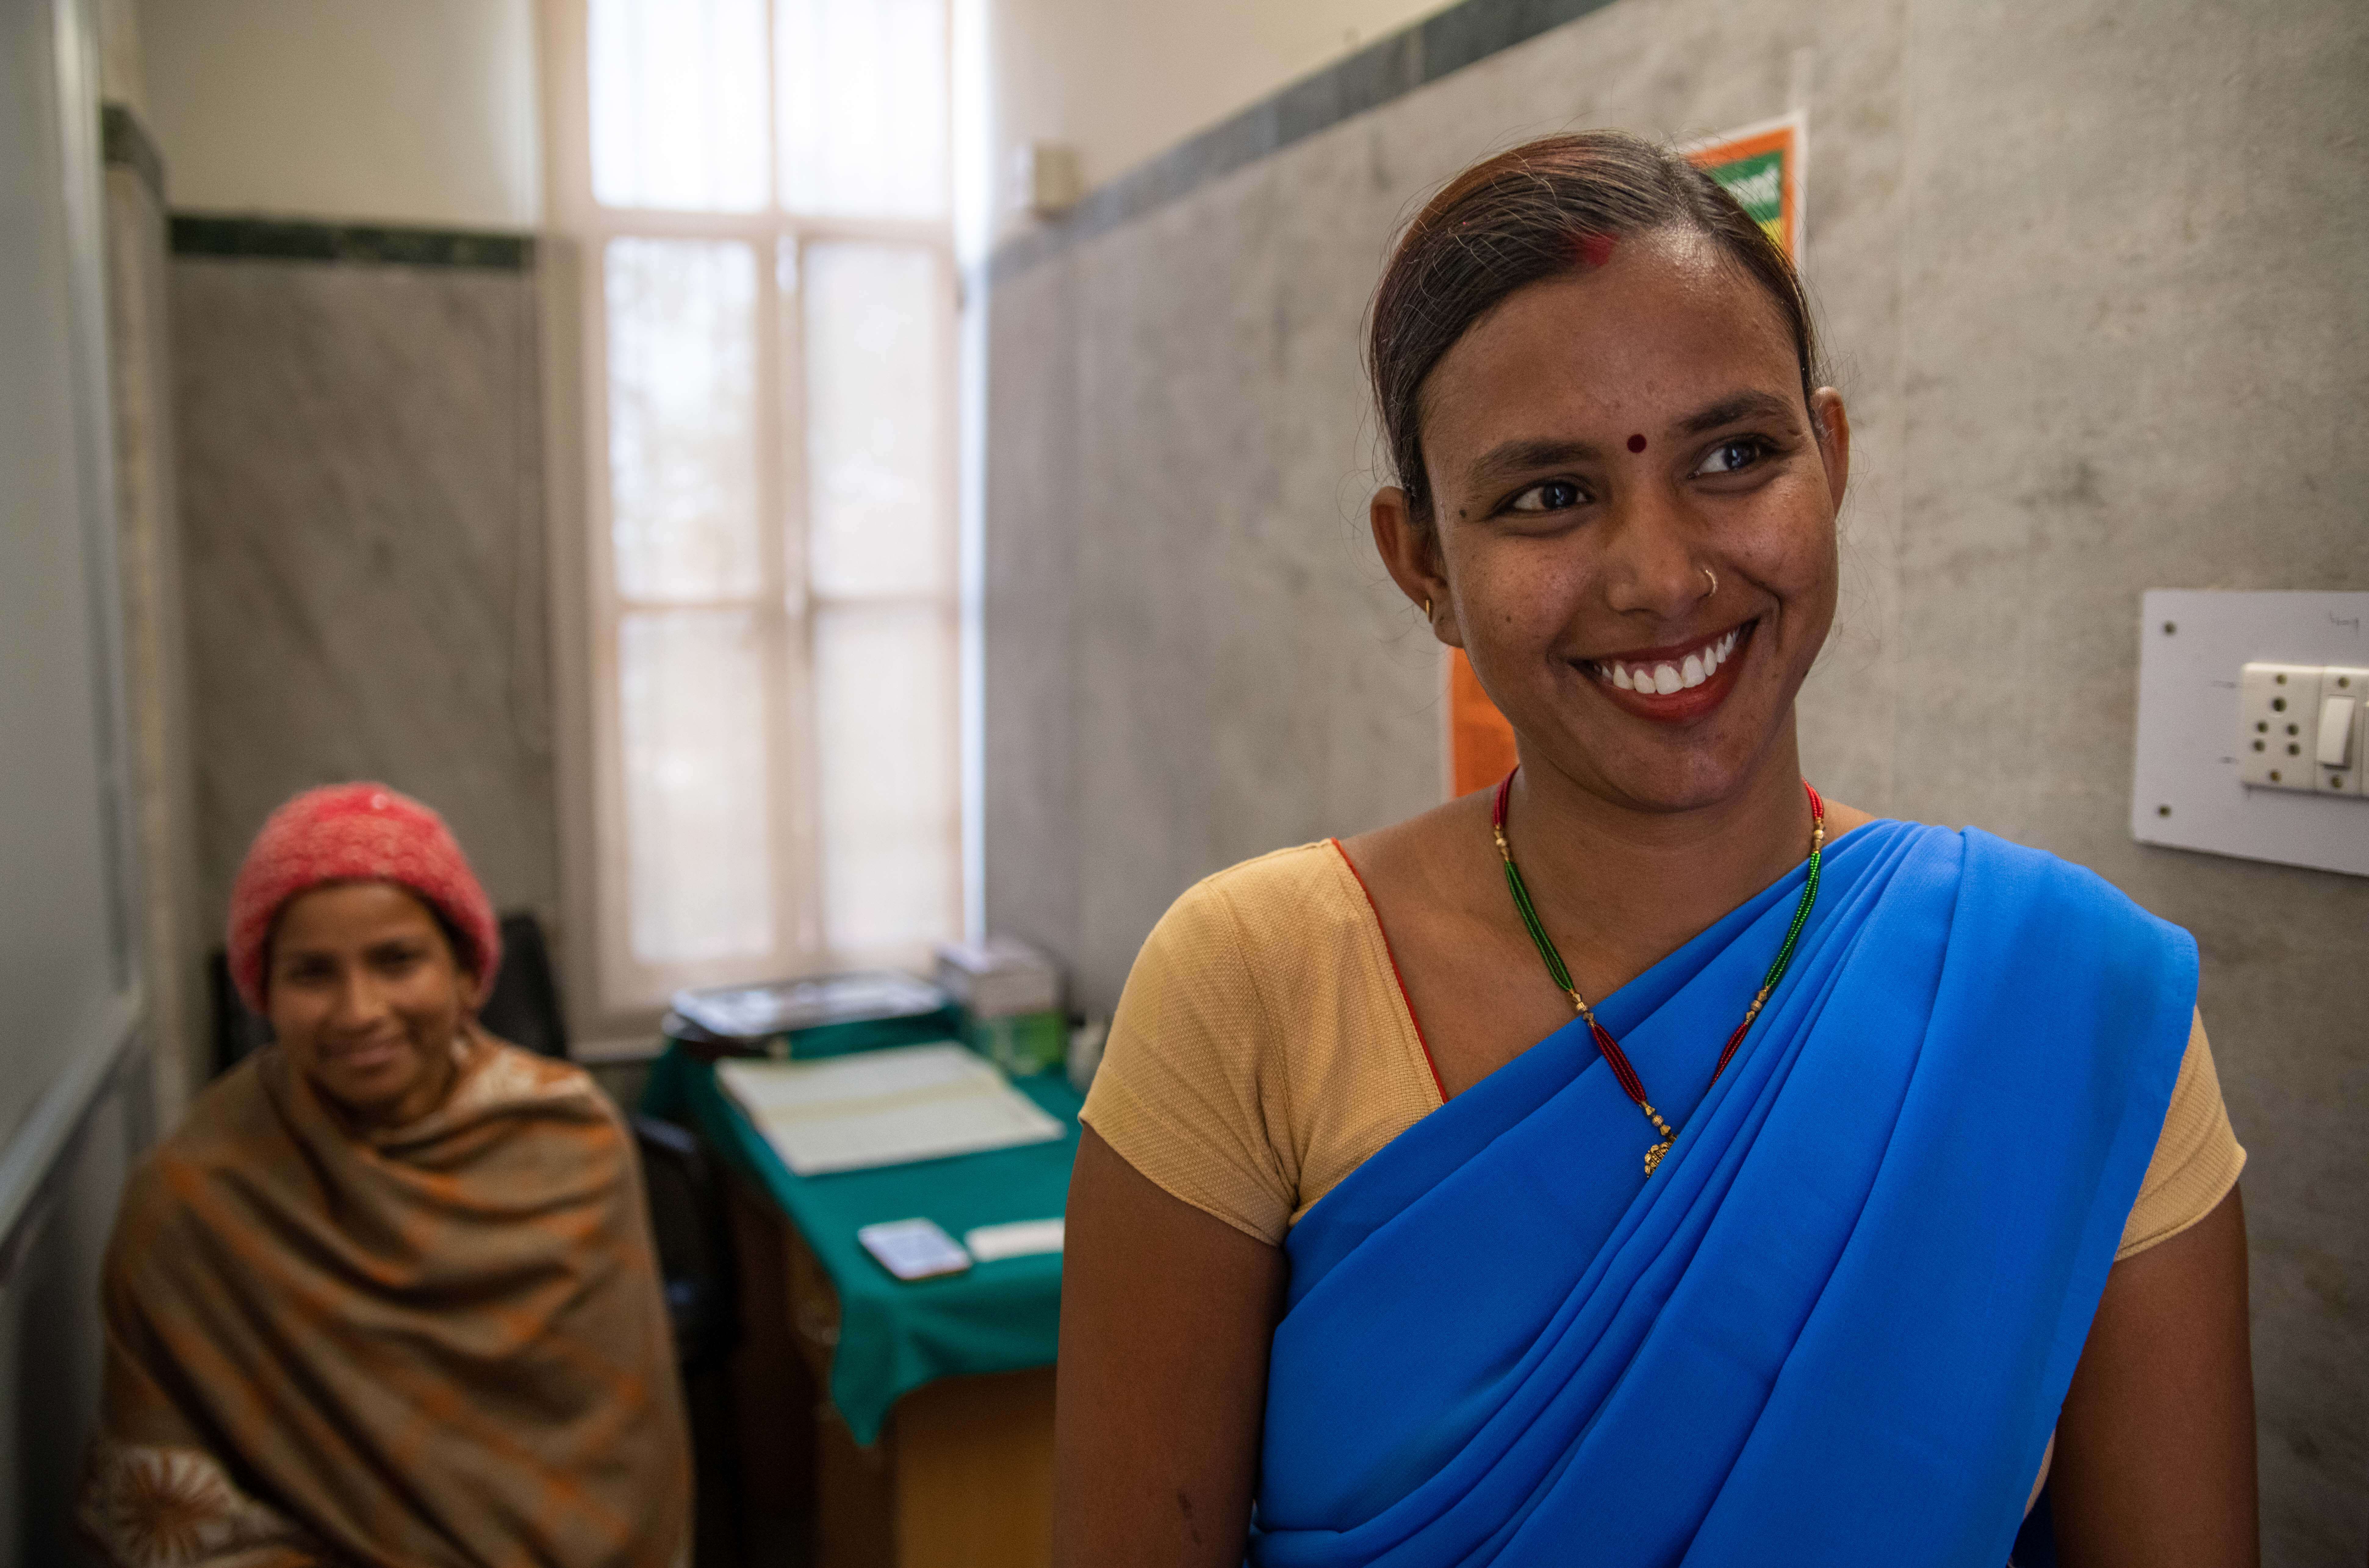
{"points": [[1046, 179], [2253, 727]]}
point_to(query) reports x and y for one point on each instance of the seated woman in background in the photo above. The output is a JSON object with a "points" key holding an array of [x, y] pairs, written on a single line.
{"points": [[389, 1295], [1645, 1162]]}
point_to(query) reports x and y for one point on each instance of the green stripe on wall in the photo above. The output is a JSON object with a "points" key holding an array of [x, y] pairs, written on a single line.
{"points": [[124, 142], [1414, 57], [280, 240]]}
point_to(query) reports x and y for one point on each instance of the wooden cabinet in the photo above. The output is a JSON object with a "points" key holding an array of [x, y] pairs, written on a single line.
{"points": [[962, 1476]]}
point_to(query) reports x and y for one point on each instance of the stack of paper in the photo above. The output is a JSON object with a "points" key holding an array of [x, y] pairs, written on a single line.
{"points": [[884, 1107]]}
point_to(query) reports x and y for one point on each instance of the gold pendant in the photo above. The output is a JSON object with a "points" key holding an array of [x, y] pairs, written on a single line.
{"points": [[1653, 1155]]}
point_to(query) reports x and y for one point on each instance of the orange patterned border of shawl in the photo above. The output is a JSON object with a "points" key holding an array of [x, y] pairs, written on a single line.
{"points": [[151, 1507]]}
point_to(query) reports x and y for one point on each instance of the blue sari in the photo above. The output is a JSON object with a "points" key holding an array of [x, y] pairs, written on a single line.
{"points": [[1837, 1323]]}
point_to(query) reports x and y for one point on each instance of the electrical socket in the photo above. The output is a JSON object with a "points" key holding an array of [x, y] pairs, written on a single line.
{"points": [[2278, 727]]}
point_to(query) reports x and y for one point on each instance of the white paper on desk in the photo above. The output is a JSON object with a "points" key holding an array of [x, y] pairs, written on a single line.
{"points": [[884, 1107], [1016, 1239]]}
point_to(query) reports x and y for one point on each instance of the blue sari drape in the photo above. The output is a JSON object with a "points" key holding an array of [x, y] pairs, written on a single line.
{"points": [[1837, 1323]]}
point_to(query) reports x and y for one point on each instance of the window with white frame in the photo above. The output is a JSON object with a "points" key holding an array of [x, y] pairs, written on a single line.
{"points": [[760, 191]]}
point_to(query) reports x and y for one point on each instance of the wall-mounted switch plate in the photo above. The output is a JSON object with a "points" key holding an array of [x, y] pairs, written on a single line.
{"points": [[2209, 690]]}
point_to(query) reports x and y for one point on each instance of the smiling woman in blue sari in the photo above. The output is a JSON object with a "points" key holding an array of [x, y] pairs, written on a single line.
{"points": [[1647, 1161]]}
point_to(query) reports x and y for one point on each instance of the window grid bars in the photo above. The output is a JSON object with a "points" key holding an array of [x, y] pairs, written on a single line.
{"points": [[787, 607]]}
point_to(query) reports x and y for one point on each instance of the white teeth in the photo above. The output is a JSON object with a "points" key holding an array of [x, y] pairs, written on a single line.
{"points": [[1664, 679]]}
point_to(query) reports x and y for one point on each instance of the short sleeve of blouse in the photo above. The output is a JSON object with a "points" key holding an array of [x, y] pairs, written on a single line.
{"points": [[2197, 1157], [1187, 1094]]}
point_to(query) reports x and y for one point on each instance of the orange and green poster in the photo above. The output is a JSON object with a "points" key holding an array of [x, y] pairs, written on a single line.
{"points": [[1761, 165], [1480, 741]]}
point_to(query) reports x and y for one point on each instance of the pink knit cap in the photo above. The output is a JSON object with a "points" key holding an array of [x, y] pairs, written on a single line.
{"points": [[354, 832]]}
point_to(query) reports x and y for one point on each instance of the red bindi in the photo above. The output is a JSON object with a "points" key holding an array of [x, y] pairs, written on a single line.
{"points": [[1595, 249], [1636, 443]]}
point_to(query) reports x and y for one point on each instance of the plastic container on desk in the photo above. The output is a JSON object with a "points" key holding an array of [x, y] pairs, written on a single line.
{"points": [[1020, 1043]]}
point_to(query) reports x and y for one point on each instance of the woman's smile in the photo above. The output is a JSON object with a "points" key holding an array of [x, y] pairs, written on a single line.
{"points": [[364, 1057], [1677, 681]]}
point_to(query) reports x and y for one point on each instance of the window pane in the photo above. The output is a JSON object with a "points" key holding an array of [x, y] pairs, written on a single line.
{"points": [[876, 448], [699, 855], [890, 816], [679, 104], [864, 88], [682, 417]]}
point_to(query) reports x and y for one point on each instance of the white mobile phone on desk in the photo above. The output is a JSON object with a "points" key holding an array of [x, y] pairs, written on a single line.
{"points": [[913, 1249]]}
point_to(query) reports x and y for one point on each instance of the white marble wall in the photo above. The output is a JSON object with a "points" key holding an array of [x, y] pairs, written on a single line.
{"points": [[156, 647], [360, 483], [2093, 287]]}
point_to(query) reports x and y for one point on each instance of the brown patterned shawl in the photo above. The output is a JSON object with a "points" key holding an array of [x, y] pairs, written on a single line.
{"points": [[442, 1344]]}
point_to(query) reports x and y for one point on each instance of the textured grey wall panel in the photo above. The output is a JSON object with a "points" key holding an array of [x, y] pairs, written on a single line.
{"points": [[360, 484]]}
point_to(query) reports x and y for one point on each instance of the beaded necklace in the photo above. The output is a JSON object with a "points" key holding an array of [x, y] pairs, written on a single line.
{"points": [[1610, 1049]]}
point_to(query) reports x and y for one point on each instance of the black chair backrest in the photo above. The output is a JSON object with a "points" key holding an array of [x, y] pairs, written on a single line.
{"points": [[693, 1242], [524, 1007], [237, 1033]]}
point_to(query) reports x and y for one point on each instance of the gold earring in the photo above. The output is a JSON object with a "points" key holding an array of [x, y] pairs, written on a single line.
{"points": [[1427, 608]]}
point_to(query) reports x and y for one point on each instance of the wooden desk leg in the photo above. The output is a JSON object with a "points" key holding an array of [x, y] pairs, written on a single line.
{"points": [[773, 1392], [855, 1496], [974, 1472]]}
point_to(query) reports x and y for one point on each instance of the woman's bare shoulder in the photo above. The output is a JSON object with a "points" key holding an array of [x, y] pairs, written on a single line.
{"points": [[1423, 843], [1842, 819]]}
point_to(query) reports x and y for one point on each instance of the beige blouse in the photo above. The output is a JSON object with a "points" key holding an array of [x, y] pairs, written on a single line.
{"points": [[1264, 1048]]}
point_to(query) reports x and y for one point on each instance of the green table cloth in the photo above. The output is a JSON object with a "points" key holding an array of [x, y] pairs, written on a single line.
{"points": [[895, 1336]]}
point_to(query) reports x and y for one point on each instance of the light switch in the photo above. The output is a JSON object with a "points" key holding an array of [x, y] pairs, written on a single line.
{"points": [[2335, 739], [2341, 742], [2278, 720]]}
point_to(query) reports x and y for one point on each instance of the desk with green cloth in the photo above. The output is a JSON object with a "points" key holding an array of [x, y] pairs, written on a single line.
{"points": [[897, 1336]]}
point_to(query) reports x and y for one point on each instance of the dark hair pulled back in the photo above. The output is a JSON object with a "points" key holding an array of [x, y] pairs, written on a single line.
{"points": [[1526, 214]]}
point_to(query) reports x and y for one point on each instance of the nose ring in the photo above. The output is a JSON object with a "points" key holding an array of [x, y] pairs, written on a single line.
{"points": [[1714, 582]]}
